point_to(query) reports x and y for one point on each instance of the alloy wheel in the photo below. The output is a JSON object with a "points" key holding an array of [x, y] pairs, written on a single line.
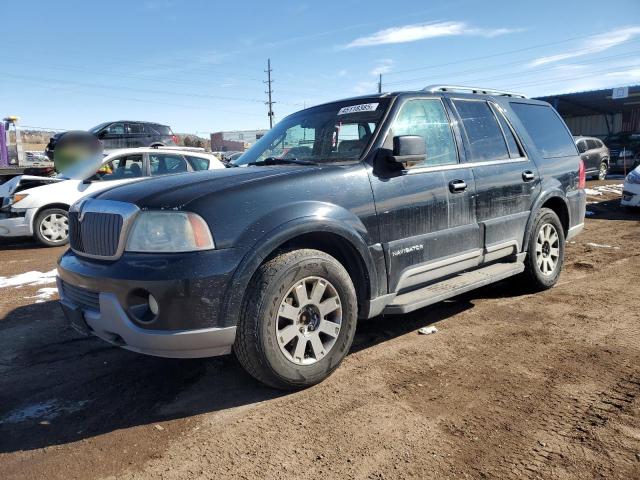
{"points": [[547, 249], [309, 321]]}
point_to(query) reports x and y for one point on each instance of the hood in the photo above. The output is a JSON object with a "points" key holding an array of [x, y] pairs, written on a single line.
{"points": [[176, 191], [24, 182]]}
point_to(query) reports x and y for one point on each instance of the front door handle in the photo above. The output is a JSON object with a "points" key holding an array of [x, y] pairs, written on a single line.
{"points": [[457, 186], [528, 176]]}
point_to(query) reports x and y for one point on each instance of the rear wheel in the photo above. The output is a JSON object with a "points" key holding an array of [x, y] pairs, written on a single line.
{"points": [[298, 320], [545, 255], [51, 227]]}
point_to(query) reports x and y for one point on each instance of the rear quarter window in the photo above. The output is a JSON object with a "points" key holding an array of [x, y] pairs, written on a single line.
{"points": [[160, 129], [546, 129]]}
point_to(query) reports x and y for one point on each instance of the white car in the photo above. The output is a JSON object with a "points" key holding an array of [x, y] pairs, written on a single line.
{"points": [[631, 189], [38, 206]]}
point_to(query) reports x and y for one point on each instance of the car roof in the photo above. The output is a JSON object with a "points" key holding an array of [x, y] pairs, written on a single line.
{"points": [[136, 121], [132, 151]]}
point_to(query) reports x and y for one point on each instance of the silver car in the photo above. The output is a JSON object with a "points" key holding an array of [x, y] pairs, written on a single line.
{"points": [[595, 156]]}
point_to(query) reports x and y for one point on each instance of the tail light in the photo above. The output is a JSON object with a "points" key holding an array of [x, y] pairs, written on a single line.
{"points": [[582, 175], [175, 139]]}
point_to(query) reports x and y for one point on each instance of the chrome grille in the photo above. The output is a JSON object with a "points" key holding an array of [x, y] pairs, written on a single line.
{"points": [[98, 234], [99, 228], [81, 297]]}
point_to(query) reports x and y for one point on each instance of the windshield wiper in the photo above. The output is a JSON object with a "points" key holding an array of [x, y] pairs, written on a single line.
{"points": [[281, 161]]}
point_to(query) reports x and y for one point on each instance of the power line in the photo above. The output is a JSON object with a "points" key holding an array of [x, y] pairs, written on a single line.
{"points": [[508, 52], [269, 92], [524, 72]]}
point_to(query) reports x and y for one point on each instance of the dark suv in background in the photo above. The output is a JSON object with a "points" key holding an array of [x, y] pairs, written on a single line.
{"points": [[380, 204], [595, 156], [625, 151], [126, 134]]}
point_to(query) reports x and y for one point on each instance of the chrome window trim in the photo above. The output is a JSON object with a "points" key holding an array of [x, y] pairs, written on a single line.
{"points": [[128, 212], [437, 168]]}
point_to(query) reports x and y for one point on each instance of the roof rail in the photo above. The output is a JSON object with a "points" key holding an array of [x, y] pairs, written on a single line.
{"points": [[457, 88]]}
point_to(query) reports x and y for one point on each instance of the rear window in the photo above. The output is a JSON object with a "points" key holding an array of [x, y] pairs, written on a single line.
{"points": [[161, 129], [546, 129]]}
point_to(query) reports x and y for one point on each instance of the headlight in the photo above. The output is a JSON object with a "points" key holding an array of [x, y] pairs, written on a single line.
{"points": [[633, 177], [163, 231], [17, 197]]}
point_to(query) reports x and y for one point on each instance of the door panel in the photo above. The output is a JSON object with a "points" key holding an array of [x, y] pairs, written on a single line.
{"points": [[506, 181], [425, 227]]}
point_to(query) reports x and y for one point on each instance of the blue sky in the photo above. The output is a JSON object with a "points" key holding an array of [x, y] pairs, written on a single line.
{"points": [[199, 65]]}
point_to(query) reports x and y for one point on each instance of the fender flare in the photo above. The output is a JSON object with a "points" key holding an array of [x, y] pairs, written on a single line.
{"points": [[268, 243], [542, 198]]}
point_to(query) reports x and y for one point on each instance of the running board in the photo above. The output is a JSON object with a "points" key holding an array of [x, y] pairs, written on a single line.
{"points": [[464, 282]]}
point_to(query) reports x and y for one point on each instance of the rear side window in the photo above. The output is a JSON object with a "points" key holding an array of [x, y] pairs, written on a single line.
{"points": [[198, 163], [548, 132], [484, 136], [160, 129], [512, 143], [592, 144]]}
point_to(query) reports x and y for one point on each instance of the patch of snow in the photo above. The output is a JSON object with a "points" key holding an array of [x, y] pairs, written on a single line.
{"points": [[591, 191], [29, 278], [44, 294]]}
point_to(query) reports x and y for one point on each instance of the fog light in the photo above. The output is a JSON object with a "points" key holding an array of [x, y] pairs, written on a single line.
{"points": [[153, 305]]}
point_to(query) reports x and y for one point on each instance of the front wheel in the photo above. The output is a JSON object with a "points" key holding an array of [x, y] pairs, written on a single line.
{"points": [[545, 255], [298, 320], [602, 172], [51, 227]]}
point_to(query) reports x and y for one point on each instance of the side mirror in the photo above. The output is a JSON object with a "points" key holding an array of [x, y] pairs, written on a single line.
{"points": [[409, 149]]}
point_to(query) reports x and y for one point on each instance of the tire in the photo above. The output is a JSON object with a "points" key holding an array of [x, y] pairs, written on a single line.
{"points": [[602, 171], [538, 274], [275, 325], [55, 233]]}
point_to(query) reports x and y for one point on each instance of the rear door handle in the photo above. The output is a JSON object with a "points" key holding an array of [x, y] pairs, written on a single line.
{"points": [[457, 186], [528, 176]]}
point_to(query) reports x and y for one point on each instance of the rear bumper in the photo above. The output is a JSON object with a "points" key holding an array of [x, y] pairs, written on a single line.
{"points": [[112, 324]]}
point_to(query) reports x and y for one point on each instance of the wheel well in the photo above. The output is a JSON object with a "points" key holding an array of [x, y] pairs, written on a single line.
{"points": [[339, 248], [61, 206], [560, 208]]}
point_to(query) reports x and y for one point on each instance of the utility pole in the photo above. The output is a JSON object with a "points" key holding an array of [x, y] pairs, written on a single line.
{"points": [[380, 83], [269, 92]]}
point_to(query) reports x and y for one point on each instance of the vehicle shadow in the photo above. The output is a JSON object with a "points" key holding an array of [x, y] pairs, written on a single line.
{"points": [[19, 243], [57, 386], [612, 210]]}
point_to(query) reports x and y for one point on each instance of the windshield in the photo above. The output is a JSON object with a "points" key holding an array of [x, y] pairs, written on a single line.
{"points": [[97, 128], [337, 132]]}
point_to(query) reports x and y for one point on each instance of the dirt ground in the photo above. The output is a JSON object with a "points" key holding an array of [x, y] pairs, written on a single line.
{"points": [[514, 385]]}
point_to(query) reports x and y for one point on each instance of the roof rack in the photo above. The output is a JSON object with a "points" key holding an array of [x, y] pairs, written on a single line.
{"points": [[483, 91]]}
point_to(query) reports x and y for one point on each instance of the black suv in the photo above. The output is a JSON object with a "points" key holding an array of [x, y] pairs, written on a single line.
{"points": [[125, 134], [379, 204]]}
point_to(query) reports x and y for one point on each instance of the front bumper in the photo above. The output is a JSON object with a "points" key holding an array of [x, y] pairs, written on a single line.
{"points": [[12, 225], [630, 195], [100, 298]]}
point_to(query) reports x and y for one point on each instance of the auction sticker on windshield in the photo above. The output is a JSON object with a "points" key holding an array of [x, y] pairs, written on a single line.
{"points": [[364, 107]]}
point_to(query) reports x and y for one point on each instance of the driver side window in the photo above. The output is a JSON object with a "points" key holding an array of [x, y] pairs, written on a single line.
{"points": [[428, 119]]}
